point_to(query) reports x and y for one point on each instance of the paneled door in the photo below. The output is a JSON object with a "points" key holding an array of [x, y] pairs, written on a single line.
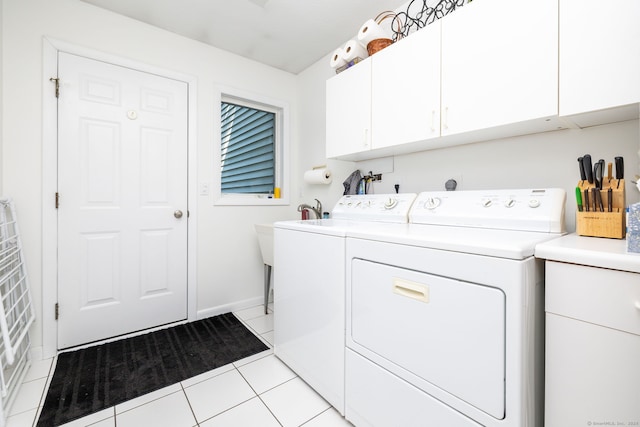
{"points": [[122, 200]]}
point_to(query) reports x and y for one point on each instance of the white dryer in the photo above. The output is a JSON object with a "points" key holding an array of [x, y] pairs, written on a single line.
{"points": [[309, 292], [445, 316]]}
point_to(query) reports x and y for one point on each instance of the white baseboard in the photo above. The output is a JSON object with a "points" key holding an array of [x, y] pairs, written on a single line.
{"points": [[235, 306]]}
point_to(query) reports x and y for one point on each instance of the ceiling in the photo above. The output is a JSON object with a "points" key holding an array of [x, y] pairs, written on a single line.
{"points": [[286, 34]]}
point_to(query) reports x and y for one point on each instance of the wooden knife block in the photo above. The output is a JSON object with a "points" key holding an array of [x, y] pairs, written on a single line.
{"points": [[603, 224]]}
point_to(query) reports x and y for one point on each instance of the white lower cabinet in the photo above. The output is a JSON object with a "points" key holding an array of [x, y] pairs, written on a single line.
{"points": [[592, 346]]}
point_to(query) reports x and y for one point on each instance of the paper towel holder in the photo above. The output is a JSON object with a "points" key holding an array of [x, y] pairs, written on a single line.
{"points": [[318, 175]]}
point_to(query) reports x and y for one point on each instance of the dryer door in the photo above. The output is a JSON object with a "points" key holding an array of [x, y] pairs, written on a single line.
{"points": [[447, 332]]}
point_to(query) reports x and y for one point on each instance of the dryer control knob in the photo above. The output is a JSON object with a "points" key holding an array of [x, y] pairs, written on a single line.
{"points": [[390, 203], [487, 202], [509, 203], [534, 203], [432, 203]]}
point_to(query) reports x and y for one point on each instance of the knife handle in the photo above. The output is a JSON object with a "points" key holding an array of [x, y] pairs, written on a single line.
{"points": [[585, 200], [599, 197], [579, 199], [609, 170], [597, 173], [581, 167], [619, 167], [588, 167]]}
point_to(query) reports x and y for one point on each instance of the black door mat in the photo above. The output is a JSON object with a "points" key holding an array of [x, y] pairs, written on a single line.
{"points": [[95, 378]]}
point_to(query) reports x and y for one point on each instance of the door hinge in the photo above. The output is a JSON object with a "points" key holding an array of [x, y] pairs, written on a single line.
{"points": [[56, 80], [57, 311], [57, 200]]}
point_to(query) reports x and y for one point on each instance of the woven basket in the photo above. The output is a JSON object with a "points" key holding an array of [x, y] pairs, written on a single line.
{"points": [[377, 45]]}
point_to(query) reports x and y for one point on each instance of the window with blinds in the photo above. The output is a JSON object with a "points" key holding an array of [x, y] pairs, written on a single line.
{"points": [[248, 149], [252, 156]]}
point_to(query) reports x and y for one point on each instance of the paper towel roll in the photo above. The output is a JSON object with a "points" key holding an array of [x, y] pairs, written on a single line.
{"points": [[337, 59], [318, 176], [354, 49], [371, 31]]}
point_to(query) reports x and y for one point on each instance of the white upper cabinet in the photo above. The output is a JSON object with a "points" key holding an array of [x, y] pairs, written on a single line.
{"points": [[499, 64], [599, 60], [487, 70], [348, 115], [405, 90]]}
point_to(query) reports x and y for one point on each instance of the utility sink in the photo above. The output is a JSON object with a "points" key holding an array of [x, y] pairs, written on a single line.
{"points": [[265, 239]]}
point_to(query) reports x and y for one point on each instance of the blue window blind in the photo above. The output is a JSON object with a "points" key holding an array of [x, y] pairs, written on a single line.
{"points": [[248, 154]]}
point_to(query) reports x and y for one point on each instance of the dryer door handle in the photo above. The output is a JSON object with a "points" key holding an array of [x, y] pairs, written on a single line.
{"points": [[413, 290]]}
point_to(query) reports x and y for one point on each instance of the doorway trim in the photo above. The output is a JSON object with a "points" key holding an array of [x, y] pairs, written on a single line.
{"points": [[50, 48]]}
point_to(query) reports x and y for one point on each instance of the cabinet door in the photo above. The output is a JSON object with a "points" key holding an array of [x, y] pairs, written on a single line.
{"points": [[499, 64], [591, 374], [599, 54], [406, 90], [349, 111]]}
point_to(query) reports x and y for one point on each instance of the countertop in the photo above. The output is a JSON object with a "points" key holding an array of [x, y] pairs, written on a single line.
{"points": [[590, 251]]}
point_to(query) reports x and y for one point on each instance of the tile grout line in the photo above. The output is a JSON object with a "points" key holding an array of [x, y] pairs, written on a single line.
{"points": [[259, 396]]}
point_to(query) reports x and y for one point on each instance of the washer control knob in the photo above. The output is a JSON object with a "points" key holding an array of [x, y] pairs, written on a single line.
{"points": [[534, 203], [487, 202], [509, 203], [432, 203], [390, 203]]}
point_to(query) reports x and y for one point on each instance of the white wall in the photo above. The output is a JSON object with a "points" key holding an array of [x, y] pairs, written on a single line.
{"points": [[229, 264], [541, 160]]}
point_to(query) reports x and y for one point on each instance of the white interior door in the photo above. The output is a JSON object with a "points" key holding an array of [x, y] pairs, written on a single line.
{"points": [[122, 215]]}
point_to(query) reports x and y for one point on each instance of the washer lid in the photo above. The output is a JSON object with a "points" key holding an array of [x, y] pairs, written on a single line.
{"points": [[333, 227]]}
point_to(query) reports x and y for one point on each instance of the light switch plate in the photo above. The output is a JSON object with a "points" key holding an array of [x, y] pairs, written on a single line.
{"points": [[204, 188]]}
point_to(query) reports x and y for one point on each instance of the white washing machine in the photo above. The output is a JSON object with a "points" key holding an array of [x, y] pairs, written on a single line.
{"points": [[445, 317], [309, 291]]}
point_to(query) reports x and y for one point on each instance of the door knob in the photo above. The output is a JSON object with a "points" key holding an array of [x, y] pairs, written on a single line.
{"points": [[178, 214]]}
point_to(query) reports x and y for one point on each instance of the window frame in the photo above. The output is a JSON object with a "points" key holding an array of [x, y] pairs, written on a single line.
{"points": [[281, 148]]}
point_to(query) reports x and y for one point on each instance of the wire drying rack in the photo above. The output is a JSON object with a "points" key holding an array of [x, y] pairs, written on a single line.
{"points": [[16, 308]]}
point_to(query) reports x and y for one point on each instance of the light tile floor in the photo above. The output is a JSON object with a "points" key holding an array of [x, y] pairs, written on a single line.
{"points": [[257, 391]]}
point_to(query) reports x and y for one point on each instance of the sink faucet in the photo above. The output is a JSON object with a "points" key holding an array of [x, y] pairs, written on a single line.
{"points": [[317, 210]]}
